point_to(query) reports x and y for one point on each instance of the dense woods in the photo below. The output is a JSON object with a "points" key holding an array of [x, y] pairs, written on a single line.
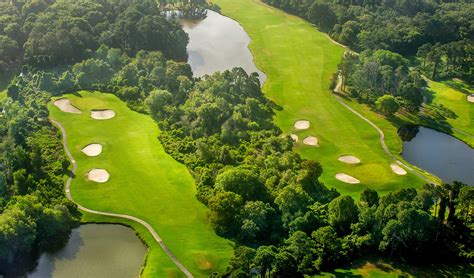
{"points": [[258, 190]]}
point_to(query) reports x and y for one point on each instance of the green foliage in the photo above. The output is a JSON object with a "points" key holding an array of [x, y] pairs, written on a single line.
{"points": [[342, 213], [387, 104]]}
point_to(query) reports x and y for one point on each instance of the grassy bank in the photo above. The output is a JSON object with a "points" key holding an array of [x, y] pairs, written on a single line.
{"points": [[145, 182], [299, 62], [447, 104]]}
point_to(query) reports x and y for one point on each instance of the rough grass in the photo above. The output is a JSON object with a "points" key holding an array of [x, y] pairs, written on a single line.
{"points": [[299, 62], [145, 182]]}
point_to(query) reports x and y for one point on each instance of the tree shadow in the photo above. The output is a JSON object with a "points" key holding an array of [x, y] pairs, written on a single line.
{"points": [[459, 85]]}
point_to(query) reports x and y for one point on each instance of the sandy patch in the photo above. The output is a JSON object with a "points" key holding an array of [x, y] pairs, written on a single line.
{"points": [[303, 124], [102, 114], [349, 159], [92, 149], [346, 178], [398, 170], [98, 175], [294, 137], [470, 98], [311, 141], [65, 105]]}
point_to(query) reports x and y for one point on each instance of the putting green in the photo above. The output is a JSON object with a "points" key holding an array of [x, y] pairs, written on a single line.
{"points": [[299, 62], [144, 182]]}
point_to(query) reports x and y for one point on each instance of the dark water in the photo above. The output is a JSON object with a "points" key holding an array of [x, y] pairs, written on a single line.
{"points": [[441, 154], [95, 250], [218, 43]]}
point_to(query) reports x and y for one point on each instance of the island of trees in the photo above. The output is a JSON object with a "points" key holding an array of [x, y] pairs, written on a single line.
{"points": [[259, 192]]}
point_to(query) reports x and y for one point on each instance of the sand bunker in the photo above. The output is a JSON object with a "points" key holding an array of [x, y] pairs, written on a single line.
{"points": [[346, 178], [311, 141], [92, 149], [98, 175], [303, 124], [470, 98], [65, 105], [102, 114], [398, 170], [294, 137], [349, 159]]}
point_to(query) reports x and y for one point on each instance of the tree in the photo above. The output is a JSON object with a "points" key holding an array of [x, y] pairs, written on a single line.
{"points": [[387, 104], [264, 259], [410, 235], [9, 52], [256, 220], [224, 208], [369, 197], [328, 248], [242, 261], [244, 182], [322, 15], [342, 213]]}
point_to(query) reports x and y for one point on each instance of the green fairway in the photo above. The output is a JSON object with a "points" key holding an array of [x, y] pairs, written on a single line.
{"points": [[144, 182], [455, 101], [299, 61]]}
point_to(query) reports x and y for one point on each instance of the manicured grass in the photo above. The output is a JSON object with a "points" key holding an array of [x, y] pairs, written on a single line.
{"points": [[455, 101], [299, 61], [384, 268], [145, 182]]}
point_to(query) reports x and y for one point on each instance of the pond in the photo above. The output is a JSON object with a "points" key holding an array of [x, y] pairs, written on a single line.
{"points": [[218, 43], [95, 250], [440, 154]]}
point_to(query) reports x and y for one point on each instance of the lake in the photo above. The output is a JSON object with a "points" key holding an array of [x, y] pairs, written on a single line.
{"points": [[95, 250], [218, 43], [440, 154]]}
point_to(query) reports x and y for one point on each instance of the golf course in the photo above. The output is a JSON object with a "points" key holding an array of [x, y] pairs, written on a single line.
{"points": [[462, 121], [298, 82], [138, 178]]}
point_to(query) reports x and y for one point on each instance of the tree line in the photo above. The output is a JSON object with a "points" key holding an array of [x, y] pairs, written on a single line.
{"points": [[259, 192], [437, 36]]}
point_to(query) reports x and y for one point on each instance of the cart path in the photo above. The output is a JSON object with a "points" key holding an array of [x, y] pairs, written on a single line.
{"points": [[338, 90], [125, 216]]}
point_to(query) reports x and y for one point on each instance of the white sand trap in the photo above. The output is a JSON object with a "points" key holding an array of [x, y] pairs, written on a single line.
{"points": [[294, 137], [65, 105], [92, 149], [311, 141], [102, 114], [470, 98], [349, 159], [398, 170], [98, 175], [303, 124], [346, 178]]}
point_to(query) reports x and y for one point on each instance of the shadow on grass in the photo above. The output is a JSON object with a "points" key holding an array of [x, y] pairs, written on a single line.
{"points": [[459, 85], [380, 267]]}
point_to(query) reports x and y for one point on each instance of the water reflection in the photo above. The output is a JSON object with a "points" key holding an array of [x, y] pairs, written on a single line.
{"points": [[218, 43], [95, 250], [439, 153]]}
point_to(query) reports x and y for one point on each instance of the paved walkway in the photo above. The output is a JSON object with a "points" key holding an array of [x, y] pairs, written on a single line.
{"points": [[338, 90], [125, 216]]}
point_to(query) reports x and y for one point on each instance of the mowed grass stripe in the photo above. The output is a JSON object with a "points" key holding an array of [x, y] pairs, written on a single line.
{"points": [[145, 181], [299, 61]]}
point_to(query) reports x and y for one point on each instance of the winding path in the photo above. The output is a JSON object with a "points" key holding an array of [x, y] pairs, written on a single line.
{"points": [[125, 216], [338, 89]]}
